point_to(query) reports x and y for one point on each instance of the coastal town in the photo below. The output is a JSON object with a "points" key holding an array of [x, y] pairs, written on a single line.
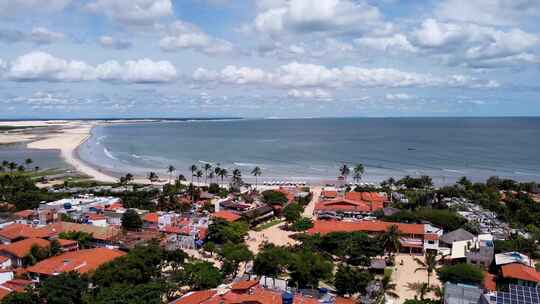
{"points": [[177, 239]]}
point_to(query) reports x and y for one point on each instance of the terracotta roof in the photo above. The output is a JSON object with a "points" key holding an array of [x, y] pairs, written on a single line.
{"points": [[21, 248], [342, 205], [520, 272], [3, 258], [195, 297], [489, 281], [151, 217], [329, 194], [373, 199], [243, 285], [98, 233], [82, 261], [24, 213], [4, 292], [13, 286], [226, 215], [15, 231], [324, 227], [95, 216], [288, 194]]}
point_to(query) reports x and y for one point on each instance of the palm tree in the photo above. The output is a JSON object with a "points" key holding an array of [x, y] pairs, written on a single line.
{"points": [[207, 168], [391, 238], [12, 166], [21, 168], [170, 169], [28, 162], [198, 174], [152, 176], [388, 288], [211, 176], [237, 177], [223, 173], [36, 168], [128, 178], [429, 264], [193, 169], [344, 171], [256, 172], [5, 163], [421, 289], [358, 171]]}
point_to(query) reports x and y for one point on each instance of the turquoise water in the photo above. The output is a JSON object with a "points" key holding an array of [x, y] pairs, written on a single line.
{"points": [[313, 149], [45, 159]]}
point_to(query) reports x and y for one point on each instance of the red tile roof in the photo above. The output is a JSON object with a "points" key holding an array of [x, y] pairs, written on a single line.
{"points": [[324, 227], [329, 194], [342, 205], [520, 272], [24, 213], [289, 194], [489, 281], [195, 297], [431, 237], [82, 261], [21, 248], [98, 233], [95, 216], [13, 286], [151, 217], [64, 242], [3, 258], [16, 231], [227, 215], [243, 285]]}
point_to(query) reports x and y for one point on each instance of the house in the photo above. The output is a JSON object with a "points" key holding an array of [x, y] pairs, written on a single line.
{"points": [[96, 219], [17, 251], [226, 215], [102, 236], [478, 251], [351, 205], [24, 216], [455, 236], [68, 245], [17, 231], [81, 261], [519, 274], [415, 237], [150, 220], [250, 292], [328, 194]]}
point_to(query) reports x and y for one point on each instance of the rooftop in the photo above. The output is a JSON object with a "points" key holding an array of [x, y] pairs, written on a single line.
{"points": [[21, 248], [520, 272], [325, 227]]}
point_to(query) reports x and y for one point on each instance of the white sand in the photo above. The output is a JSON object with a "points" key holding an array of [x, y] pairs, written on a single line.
{"points": [[404, 274], [67, 140]]}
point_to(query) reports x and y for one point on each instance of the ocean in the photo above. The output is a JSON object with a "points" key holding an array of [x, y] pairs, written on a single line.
{"points": [[312, 150]]}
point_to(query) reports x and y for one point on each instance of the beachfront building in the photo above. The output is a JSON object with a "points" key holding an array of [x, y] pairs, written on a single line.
{"points": [[416, 238], [82, 261], [253, 292], [350, 205]]}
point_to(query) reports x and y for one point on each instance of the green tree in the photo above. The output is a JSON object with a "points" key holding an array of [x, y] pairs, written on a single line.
{"points": [[292, 212], [170, 170], [391, 239], [29, 296], [302, 224], [207, 168], [307, 268], [420, 288], [83, 239], [271, 197], [429, 264], [221, 232], [193, 169], [149, 293], [349, 280], [461, 273], [256, 172], [64, 288], [232, 255], [344, 171], [152, 177], [271, 261], [222, 174], [388, 287], [35, 255], [358, 172], [131, 220], [200, 276]]}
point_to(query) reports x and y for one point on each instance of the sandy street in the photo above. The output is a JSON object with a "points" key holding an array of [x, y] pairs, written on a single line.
{"points": [[404, 274]]}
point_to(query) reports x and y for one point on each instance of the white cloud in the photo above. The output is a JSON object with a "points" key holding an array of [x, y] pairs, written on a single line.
{"points": [[472, 45], [491, 12], [137, 71], [336, 16], [40, 66], [41, 35], [318, 94], [398, 96], [11, 36], [295, 75], [132, 12], [182, 35], [43, 66], [394, 43], [9, 7], [114, 43]]}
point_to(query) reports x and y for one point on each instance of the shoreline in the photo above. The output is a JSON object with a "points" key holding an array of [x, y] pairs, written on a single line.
{"points": [[68, 140]]}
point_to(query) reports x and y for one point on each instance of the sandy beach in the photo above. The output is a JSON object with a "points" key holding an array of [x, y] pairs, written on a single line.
{"points": [[69, 136]]}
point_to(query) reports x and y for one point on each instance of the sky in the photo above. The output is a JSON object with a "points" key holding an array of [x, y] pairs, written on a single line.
{"points": [[269, 58]]}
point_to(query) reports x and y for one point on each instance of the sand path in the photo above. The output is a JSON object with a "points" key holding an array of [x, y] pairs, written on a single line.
{"points": [[404, 274]]}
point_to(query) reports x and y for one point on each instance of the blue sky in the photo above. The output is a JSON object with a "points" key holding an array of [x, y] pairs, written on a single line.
{"points": [[269, 58]]}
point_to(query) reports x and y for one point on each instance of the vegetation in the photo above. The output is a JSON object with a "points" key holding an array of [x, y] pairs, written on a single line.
{"points": [[131, 220], [349, 280], [83, 239], [302, 224], [272, 197], [221, 232], [461, 273], [447, 219]]}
